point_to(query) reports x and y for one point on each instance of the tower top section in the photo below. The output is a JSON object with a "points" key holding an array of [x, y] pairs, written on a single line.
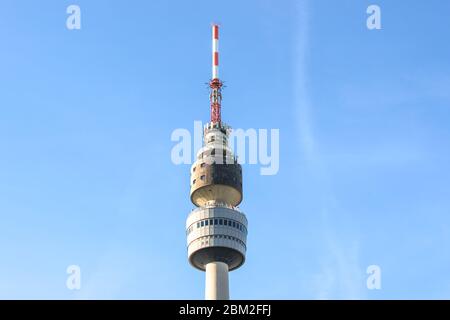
{"points": [[215, 84], [216, 230]]}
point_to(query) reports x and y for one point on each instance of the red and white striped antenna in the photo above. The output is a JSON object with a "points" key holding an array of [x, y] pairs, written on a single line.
{"points": [[215, 51], [215, 84]]}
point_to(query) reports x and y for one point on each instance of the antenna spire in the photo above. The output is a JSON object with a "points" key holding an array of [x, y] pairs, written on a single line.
{"points": [[215, 84]]}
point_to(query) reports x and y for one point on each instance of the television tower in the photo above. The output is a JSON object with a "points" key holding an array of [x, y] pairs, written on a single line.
{"points": [[216, 230]]}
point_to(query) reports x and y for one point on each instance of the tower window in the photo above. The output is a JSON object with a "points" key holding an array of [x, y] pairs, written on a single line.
{"points": [[202, 165], [202, 177], [220, 221], [216, 222], [206, 222], [211, 222], [193, 182], [202, 223], [198, 224]]}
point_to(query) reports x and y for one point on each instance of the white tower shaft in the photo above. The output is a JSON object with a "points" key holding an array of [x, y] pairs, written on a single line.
{"points": [[217, 281]]}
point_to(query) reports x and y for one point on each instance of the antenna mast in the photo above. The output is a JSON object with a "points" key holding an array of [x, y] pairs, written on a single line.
{"points": [[215, 84]]}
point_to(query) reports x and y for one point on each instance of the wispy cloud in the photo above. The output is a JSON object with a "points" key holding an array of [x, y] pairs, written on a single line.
{"points": [[340, 275], [301, 95]]}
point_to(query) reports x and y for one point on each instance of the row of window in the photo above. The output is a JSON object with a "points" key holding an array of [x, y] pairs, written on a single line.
{"points": [[217, 222], [218, 153], [213, 138], [203, 164], [205, 240], [203, 177]]}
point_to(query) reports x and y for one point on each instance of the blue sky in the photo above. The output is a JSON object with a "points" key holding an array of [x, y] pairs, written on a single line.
{"points": [[86, 176]]}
